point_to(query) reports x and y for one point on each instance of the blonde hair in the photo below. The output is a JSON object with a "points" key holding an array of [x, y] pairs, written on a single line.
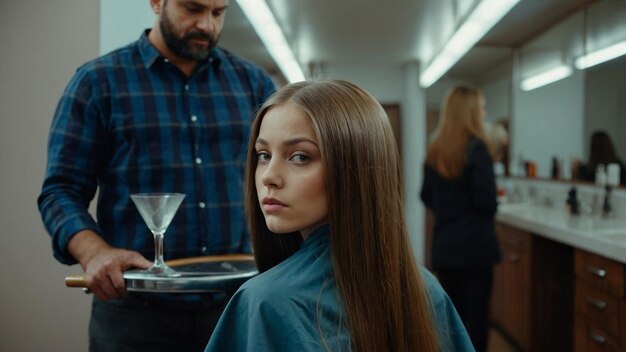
{"points": [[375, 273], [460, 119]]}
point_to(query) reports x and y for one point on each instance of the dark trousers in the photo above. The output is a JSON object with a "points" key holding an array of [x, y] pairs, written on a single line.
{"points": [[135, 323], [470, 290]]}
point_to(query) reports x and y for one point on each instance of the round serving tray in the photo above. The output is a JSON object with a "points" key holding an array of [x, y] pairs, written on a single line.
{"points": [[222, 273]]}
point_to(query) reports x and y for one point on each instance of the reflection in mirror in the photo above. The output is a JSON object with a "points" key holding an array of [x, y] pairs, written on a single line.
{"points": [[548, 120], [557, 120], [605, 89]]}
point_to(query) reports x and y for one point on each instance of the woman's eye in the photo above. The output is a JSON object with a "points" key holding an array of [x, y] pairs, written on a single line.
{"points": [[263, 156], [299, 158]]}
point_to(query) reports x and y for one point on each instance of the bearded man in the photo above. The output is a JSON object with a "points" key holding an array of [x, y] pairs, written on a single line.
{"points": [[170, 112]]}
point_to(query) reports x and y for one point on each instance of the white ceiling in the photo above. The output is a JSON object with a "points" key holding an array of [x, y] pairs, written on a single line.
{"points": [[390, 32]]}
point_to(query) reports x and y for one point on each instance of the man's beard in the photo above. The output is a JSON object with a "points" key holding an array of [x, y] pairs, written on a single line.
{"points": [[180, 45]]}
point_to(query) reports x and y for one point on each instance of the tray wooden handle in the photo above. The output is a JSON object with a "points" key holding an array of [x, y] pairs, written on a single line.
{"points": [[209, 258], [79, 280], [75, 281]]}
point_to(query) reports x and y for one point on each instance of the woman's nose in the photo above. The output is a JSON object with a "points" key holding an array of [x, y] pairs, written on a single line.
{"points": [[271, 174]]}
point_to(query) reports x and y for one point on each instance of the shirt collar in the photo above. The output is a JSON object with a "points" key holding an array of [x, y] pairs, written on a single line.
{"points": [[150, 54]]}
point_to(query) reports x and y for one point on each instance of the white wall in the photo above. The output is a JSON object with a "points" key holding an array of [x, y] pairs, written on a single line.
{"points": [[42, 44], [122, 21], [384, 82]]}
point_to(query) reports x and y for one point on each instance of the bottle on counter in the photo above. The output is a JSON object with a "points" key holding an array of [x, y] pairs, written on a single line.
{"points": [[502, 197], [531, 169], [613, 174], [573, 204], [556, 168]]}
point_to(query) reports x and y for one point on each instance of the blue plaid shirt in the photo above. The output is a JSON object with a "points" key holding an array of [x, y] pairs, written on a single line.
{"points": [[131, 122]]}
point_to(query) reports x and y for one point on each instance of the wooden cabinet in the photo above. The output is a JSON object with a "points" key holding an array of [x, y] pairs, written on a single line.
{"points": [[533, 293], [512, 283], [600, 317]]}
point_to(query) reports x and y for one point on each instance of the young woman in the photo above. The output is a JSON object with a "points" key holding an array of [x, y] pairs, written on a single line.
{"points": [[325, 208], [459, 187]]}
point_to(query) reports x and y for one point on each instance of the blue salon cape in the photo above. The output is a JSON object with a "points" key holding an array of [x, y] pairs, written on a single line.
{"points": [[294, 307]]}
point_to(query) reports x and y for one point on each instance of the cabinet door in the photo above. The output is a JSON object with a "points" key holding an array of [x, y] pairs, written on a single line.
{"points": [[512, 284], [516, 273], [534, 285]]}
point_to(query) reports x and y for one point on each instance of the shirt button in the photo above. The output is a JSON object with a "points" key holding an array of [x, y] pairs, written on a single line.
{"points": [[194, 118], [198, 161], [201, 205], [186, 87], [203, 249], [166, 60]]}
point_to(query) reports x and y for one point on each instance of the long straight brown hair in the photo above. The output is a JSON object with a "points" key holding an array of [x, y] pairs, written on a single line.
{"points": [[374, 269], [460, 119]]}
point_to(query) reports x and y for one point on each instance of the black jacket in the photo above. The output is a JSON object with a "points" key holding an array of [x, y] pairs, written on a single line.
{"points": [[464, 209]]}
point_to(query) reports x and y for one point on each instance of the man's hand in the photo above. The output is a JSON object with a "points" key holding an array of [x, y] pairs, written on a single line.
{"points": [[104, 265]]}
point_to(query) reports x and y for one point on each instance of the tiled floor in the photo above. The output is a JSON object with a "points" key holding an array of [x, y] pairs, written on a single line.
{"points": [[497, 343]]}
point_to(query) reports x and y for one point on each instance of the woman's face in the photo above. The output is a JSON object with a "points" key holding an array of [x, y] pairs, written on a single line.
{"points": [[289, 173]]}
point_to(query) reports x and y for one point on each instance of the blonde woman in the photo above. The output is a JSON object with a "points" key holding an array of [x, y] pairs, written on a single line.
{"points": [[459, 187], [324, 204]]}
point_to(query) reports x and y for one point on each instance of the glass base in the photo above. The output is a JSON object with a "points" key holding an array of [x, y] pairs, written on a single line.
{"points": [[163, 271]]}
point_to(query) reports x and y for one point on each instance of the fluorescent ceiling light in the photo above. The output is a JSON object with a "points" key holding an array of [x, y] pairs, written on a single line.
{"points": [[546, 77], [271, 35], [486, 14], [600, 56]]}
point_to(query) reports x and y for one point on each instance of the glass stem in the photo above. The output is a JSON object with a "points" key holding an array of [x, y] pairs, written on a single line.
{"points": [[158, 250]]}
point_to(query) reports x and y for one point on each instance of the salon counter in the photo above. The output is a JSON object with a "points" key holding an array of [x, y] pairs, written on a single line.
{"points": [[602, 236]]}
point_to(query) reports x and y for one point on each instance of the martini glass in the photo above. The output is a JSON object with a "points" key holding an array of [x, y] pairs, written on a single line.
{"points": [[157, 211]]}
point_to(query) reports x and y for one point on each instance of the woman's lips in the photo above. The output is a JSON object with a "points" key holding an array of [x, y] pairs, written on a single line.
{"points": [[271, 205]]}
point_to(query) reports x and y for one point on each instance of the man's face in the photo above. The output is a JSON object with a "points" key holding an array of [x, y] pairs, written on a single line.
{"points": [[191, 28]]}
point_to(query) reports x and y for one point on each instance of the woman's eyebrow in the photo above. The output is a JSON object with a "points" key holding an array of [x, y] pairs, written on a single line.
{"points": [[289, 142]]}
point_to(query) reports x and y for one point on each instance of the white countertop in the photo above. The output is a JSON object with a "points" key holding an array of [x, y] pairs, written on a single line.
{"points": [[605, 237]]}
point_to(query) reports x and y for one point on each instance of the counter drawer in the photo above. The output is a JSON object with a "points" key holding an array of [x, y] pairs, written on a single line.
{"points": [[589, 338], [600, 273], [599, 308]]}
